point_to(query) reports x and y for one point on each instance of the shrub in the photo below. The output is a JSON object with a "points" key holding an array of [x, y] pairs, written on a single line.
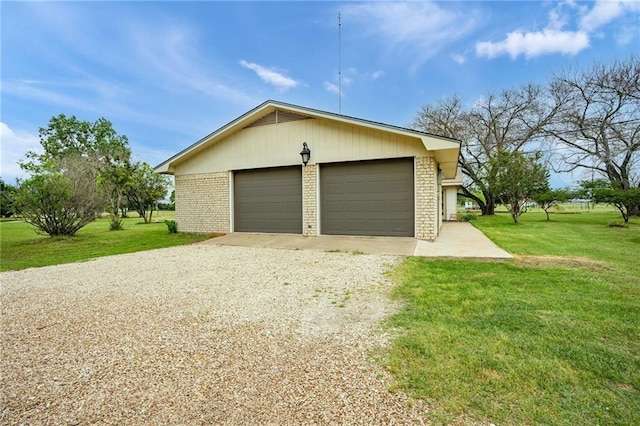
{"points": [[172, 225], [59, 201], [468, 217], [116, 224]]}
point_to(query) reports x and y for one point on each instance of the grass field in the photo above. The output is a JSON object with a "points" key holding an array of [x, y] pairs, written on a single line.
{"points": [[21, 247], [551, 337]]}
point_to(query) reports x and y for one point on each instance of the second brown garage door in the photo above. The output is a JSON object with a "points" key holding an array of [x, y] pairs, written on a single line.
{"points": [[268, 200], [368, 198]]}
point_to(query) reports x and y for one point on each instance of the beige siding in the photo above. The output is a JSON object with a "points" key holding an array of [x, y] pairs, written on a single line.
{"points": [[280, 145], [202, 202], [427, 219]]}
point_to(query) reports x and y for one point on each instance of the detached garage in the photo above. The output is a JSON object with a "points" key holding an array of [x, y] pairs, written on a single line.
{"points": [[361, 177]]}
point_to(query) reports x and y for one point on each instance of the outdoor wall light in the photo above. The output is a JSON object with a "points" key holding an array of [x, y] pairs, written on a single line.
{"points": [[305, 153]]}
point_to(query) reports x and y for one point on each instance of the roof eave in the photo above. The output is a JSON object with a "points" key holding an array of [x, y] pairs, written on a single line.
{"points": [[431, 142]]}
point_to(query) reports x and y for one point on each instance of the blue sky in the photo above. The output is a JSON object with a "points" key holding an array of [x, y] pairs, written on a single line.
{"points": [[168, 73]]}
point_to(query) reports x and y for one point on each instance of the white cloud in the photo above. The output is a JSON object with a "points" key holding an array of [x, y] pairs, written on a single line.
{"points": [[171, 54], [346, 80], [331, 87], [459, 59], [626, 35], [376, 75], [43, 92], [532, 44], [271, 76], [557, 20], [554, 38], [562, 13], [602, 13], [15, 145], [402, 22], [605, 12], [349, 76], [416, 29]]}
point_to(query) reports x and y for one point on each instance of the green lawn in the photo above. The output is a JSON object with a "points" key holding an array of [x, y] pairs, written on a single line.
{"points": [[21, 247], [551, 337]]}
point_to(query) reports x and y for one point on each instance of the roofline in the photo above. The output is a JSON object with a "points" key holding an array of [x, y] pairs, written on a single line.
{"points": [[210, 135], [349, 118], [308, 111]]}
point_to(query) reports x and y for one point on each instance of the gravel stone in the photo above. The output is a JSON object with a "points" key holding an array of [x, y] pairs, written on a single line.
{"points": [[200, 334]]}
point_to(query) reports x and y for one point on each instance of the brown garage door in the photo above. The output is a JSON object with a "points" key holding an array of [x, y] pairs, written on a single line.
{"points": [[268, 200], [367, 198]]}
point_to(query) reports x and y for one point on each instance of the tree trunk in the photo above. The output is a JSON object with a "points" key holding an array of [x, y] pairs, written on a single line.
{"points": [[486, 208], [489, 207]]}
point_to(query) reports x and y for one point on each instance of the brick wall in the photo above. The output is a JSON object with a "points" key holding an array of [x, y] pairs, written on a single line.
{"points": [[202, 202], [310, 199], [426, 199]]}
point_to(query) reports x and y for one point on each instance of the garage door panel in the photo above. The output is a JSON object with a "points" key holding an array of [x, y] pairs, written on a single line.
{"points": [[268, 200], [367, 198]]}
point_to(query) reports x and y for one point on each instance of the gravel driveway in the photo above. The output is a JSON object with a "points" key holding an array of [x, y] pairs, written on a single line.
{"points": [[200, 334]]}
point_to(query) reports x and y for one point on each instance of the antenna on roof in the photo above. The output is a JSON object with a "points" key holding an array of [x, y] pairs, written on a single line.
{"points": [[339, 64]]}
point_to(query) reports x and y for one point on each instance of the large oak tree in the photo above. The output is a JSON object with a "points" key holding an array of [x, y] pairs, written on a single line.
{"points": [[503, 122]]}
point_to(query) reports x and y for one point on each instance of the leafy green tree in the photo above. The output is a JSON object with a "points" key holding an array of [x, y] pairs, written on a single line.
{"points": [[551, 197], [7, 199], [145, 189], [604, 192], [61, 198], [96, 143], [114, 178], [516, 178]]}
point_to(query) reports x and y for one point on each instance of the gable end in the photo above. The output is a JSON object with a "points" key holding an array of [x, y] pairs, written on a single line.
{"points": [[277, 116]]}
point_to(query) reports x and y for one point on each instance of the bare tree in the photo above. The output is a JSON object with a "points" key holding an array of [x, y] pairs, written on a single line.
{"points": [[598, 122], [500, 122]]}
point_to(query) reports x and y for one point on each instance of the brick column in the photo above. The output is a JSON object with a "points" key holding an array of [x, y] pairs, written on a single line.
{"points": [[426, 198], [310, 199]]}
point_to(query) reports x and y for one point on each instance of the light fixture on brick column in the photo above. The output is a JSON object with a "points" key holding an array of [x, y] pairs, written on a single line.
{"points": [[305, 153]]}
